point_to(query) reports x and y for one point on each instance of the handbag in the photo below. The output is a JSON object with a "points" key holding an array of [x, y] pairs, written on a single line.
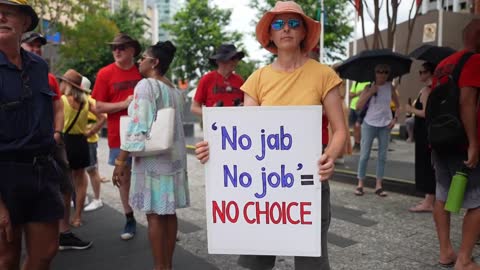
{"points": [[159, 137]]}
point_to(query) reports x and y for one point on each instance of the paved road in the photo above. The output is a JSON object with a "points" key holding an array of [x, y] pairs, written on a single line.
{"points": [[366, 233]]}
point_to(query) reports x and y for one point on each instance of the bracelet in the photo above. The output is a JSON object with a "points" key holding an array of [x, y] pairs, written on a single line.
{"points": [[59, 132], [120, 162]]}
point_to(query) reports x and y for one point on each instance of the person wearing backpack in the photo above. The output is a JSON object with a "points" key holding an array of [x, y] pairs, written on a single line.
{"points": [[459, 77]]}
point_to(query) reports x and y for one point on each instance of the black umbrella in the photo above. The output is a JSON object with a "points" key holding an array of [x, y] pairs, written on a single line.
{"points": [[431, 53], [361, 67]]}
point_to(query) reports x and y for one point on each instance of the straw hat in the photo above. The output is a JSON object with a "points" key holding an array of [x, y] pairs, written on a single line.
{"points": [[25, 7], [75, 79], [313, 28]]}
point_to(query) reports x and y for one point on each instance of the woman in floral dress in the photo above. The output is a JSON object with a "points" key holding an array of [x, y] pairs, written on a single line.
{"points": [[159, 182]]}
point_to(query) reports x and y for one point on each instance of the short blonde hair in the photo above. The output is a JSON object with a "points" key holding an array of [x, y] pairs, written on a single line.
{"points": [[77, 94]]}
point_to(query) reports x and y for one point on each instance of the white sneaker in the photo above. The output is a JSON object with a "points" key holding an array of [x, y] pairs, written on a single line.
{"points": [[72, 204], [94, 205]]}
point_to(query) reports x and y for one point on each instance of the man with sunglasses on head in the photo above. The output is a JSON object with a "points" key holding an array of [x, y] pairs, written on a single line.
{"points": [[113, 92], [220, 87], [30, 201], [33, 42]]}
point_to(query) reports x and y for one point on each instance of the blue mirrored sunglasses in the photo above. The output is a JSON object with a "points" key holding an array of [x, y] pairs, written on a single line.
{"points": [[292, 23]]}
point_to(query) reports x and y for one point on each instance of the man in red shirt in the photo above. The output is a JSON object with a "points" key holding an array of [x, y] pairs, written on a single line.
{"points": [[220, 87], [446, 164], [113, 92]]}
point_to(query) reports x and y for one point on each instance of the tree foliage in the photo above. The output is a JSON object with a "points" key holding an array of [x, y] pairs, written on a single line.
{"points": [[85, 45], [64, 12], [130, 22], [198, 29], [85, 48], [337, 29]]}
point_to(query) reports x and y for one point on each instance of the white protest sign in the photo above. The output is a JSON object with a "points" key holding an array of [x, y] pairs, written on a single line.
{"points": [[263, 192]]}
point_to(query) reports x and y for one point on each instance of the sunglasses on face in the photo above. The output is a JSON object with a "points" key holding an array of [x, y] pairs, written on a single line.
{"points": [[118, 47], [143, 57], [386, 72], [278, 25]]}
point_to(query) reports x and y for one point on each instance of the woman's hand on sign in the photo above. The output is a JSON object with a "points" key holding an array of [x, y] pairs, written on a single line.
{"points": [[202, 151], [326, 166]]}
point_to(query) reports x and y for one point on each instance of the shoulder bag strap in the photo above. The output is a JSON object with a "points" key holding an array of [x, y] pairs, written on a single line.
{"points": [[75, 119], [458, 68]]}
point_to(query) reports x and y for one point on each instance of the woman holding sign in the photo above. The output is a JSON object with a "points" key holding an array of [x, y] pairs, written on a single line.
{"points": [[159, 182], [295, 79]]}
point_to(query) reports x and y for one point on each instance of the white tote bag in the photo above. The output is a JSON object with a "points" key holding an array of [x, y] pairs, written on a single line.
{"points": [[159, 138]]}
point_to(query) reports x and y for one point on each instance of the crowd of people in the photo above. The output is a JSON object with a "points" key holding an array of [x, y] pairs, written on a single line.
{"points": [[49, 134]]}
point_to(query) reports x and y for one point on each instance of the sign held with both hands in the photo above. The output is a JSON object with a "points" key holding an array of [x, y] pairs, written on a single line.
{"points": [[263, 192]]}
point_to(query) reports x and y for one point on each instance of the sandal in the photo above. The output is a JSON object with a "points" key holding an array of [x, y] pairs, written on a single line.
{"points": [[380, 192], [76, 223], [446, 265], [420, 209], [359, 191]]}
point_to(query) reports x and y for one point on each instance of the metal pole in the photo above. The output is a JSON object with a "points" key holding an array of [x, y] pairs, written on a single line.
{"points": [[440, 22], [322, 35]]}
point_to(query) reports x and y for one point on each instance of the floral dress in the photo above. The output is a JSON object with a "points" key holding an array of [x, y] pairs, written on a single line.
{"points": [[159, 182]]}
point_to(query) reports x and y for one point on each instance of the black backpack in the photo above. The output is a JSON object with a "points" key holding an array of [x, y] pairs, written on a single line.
{"points": [[445, 129]]}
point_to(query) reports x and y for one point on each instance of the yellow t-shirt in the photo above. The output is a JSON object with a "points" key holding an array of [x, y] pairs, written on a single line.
{"points": [[92, 120], [80, 125], [307, 85]]}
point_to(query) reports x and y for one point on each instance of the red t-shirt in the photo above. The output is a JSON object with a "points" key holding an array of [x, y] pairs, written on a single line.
{"points": [[114, 84], [469, 77], [52, 82], [212, 88]]}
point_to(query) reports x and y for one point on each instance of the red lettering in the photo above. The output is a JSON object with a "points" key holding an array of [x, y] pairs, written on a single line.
{"points": [[272, 215], [217, 211], [245, 213], [284, 213], [303, 212], [289, 217], [264, 212], [233, 219]]}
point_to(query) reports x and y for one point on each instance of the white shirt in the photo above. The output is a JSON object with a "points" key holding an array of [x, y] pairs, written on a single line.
{"points": [[379, 113]]}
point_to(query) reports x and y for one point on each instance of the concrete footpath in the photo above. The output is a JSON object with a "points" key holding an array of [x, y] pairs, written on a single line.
{"points": [[366, 232]]}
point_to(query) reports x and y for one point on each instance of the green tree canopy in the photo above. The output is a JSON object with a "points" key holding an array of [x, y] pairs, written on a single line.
{"points": [[336, 29], [197, 30], [85, 48], [85, 45]]}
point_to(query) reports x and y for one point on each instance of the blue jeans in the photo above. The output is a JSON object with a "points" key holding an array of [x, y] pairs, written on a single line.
{"points": [[369, 133]]}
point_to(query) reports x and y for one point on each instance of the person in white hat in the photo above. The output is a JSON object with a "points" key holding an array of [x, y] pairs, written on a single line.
{"points": [[92, 169]]}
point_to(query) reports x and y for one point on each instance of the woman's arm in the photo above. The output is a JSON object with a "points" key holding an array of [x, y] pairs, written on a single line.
{"points": [[423, 99], [335, 115], [369, 91], [101, 118]]}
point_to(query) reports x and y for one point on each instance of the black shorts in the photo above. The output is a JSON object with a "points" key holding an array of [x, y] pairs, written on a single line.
{"points": [[78, 154], [354, 117], [30, 190]]}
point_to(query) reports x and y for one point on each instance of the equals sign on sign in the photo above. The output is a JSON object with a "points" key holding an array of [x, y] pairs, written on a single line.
{"points": [[306, 179]]}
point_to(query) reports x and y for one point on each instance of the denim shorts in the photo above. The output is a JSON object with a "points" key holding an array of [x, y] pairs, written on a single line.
{"points": [[445, 168], [255, 262], [92, 150], [114, 152], [30, 190]]}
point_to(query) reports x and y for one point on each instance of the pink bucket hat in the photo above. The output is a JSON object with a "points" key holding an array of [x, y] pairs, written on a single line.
{"points": [[313, 27]]}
